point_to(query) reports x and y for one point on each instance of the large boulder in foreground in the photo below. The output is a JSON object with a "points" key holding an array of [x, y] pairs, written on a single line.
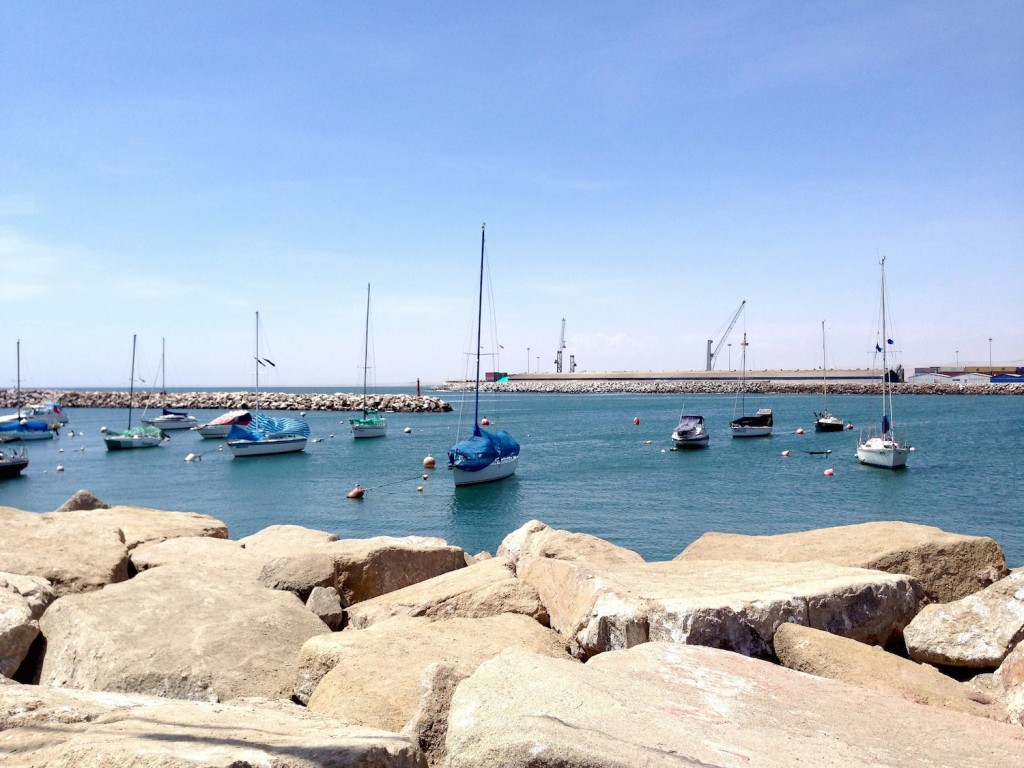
{"points": [[978, 631], [282, 540], [1011, 677], [948, 565], [141, 524], [374, 676], [722, 604], [71, 553], [536, 539], [819, 653], [225, 558], [486, 588], [367, 568], [69, 729], [177, 632], [663, 705]]}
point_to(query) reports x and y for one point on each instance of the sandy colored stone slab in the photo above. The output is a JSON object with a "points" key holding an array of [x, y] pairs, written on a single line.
{"points": [[176, 632], [536, 539], [948, 565], [485, 588], [140, 524], [978, 631], [83, 729], [663, 705], [723, 604], [838, 658], [373, 676], [219, 556], [280, 540]]}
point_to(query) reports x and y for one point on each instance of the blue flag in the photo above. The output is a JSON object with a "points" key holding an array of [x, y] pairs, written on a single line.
{"points": [[890, 341], [877, 348]]}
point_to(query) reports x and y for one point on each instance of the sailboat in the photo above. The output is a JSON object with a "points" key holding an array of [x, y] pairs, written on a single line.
{"points": [[825, 421], [145, 436], [266, 435], [485, 456], [758, 425], [220, 426], [372, 424], [169, 419], [882, 447], [20, 427]]}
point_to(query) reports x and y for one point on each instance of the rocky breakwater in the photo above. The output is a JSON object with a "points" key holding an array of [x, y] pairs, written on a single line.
{"points": [[709, 387], [131, 636], [277, 401]]}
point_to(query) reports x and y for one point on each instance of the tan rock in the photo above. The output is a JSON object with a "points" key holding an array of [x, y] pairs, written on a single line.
{"points": [[299, 574], [37, 592], [325, 603], [948, 565], [826, 655], [716, 603], [173, 631], [82, 500], [280, 540], [83, 729], [72, 554], [663, 705], [536, 539], [141, 524], [374, 676], [223, 558], [486, 588], [17, 631], [367, 568], [1011, 677], [978, 631]]}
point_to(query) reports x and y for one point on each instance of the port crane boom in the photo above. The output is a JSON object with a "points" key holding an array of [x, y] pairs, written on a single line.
{"points": [[713, 356], [561, 346]]}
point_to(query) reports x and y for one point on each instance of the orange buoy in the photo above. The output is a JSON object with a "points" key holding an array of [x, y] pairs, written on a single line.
{"points": [[485, 421], [428, 462], [799, 430], [636, 421], [829, 472], [785, 454], [357, 492]]}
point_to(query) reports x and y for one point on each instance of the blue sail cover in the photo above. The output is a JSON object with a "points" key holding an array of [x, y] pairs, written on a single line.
{"points": [[269, 426], [25, 426], [480, 450]]}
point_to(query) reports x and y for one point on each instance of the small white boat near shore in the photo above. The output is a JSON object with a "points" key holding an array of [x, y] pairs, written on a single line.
{"points": [[172, 420]]}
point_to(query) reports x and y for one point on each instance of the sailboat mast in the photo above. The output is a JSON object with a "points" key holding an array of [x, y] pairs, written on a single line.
{"points": [[886, 386], [163, 366], [479, 320], [257, 362], [18, 393], [824, 368], [366, 346], [131, 383], [743, 393]]}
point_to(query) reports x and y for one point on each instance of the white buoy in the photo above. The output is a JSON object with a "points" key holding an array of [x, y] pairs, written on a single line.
{"points": [[428, 462], [60, 450], [103, 430], [193, 457], [419, 488], [408, 430], [60, 467]]}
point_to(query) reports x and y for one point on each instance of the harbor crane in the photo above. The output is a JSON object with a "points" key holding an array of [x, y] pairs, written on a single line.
{"points": [[713, 356], [561, 346]]}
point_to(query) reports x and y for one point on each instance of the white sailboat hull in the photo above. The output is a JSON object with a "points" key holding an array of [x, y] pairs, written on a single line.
{"points": [[246, 448], [738, 431], [213, 431], [167, 423], [883, 452], [33, 434], [118, 443], [498, 469], [362, 430]]}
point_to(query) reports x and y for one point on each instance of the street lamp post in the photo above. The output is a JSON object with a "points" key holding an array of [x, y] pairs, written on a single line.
{"points": [[958, 358], [729, 345], [990, 353], [527, 359]]}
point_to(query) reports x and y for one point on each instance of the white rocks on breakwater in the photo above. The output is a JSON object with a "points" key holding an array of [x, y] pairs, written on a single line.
{"points": [[707, 387], [276, 401]]}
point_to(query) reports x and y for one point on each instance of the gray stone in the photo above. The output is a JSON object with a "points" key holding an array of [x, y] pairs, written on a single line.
{"points": [[978, 631], [84, 729], [325, 603], [486, 588], [173, 631], [948, 565], [18, 629], [82, 500], [299, 574], [1011, 677], [662, 705]]}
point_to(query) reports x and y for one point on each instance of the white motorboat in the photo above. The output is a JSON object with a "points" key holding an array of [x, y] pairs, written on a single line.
{"points": [[758, 425], [882, 447], [220, 426], [269, 434], [371, 424], [484, 456], [172, 420], [145, 436], [690, 432]]}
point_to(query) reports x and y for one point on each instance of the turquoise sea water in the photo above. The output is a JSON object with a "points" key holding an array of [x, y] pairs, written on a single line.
{"points": [[584, 466]]}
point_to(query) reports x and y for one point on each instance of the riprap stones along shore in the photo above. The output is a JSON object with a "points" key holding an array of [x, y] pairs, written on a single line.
{"points": [[276, 401], [702, 387], [160, 641]]}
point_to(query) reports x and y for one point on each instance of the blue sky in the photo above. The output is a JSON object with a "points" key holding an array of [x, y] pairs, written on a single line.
{"points": [[167, 169]]}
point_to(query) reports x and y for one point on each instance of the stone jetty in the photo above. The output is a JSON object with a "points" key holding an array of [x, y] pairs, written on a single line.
{"points": [[717, 387], [276, 401], [134, 636]]}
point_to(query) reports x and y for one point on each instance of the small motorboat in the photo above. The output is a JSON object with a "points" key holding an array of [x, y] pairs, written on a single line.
{"points": [[690, 432], [172, 420], [12, 461], [220, 426]]}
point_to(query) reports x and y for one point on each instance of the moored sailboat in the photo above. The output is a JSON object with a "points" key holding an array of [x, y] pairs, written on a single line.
{"points": [[882, 447], [144, 436], [169, 419], [220, 426], [266, 435], [758, 425], [22, 425], [371, 424], [825, 421], [484, 456]]}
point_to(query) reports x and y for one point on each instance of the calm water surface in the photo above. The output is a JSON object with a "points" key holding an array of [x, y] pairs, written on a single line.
{"points": [[584, 466]]}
